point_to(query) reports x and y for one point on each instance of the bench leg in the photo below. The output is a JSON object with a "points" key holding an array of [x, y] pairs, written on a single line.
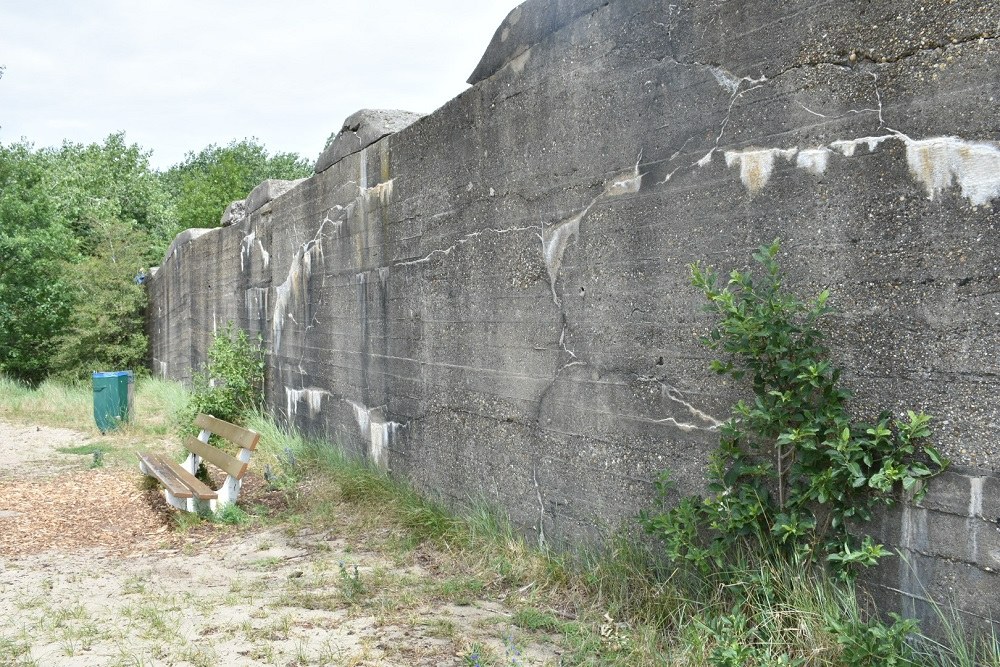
{"points": [[229, 491], [179, 503]]}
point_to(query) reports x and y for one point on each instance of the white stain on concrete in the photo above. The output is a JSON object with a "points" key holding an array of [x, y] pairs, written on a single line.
{"points": [[813, 160], [246, 250], [556, 236], [291, 291], [937, 163], [703, 420], [378, 432], [942, 162], [362, 416], [975, 512], [382, 434], [757, 164], [312, 397], [847, 147], [381, 192], [246, 247], [255, 300]]}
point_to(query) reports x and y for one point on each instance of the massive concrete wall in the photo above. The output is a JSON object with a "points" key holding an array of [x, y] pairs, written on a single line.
{"points": [[494, 300]]}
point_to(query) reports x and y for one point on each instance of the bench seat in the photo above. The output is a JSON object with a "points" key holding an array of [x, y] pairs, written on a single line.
{"points": [[180, 486]]}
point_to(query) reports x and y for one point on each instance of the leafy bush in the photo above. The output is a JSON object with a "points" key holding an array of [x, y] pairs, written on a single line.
{"points": [[205, 183], [231, 385], [793, 469]]}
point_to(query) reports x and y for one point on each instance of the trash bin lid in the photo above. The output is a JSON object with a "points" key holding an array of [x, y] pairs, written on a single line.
{"points": [[112, 374]]}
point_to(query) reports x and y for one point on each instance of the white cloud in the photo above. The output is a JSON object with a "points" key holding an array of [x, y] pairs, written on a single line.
{"points": [[177, 75]]}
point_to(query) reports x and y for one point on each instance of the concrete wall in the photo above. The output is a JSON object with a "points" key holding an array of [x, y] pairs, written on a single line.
{"points": [[494, 301]]}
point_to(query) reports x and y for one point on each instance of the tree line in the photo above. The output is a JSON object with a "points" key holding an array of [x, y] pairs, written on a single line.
{"points": [[78, 223]]}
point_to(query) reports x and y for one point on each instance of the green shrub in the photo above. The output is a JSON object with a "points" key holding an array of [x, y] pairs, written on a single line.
{"points": [[231, 385], [793, 468]]}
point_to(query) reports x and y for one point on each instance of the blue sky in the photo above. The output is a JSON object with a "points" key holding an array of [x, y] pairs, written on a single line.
{"points": [[177, 75]]}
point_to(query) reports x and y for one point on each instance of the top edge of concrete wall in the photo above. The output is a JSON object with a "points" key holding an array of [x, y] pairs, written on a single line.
{"points": [[528, 24]]}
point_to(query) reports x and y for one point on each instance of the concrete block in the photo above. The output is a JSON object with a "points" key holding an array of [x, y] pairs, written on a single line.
{"points": [[234, 214], [362, 129], [267, 192]]}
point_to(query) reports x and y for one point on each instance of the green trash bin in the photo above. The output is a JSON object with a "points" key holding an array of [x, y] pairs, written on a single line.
{"points": [[113, 394]]}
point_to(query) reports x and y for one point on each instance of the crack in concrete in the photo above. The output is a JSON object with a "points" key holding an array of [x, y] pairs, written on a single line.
{"points": [[465, 239], [677, 396]]}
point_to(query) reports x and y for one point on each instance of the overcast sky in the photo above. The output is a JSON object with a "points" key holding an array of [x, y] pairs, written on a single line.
{"points": [[177, 75]]}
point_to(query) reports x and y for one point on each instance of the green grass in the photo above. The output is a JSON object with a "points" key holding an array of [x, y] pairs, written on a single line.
{"points": [[87, 450], [619, 604], [71, 406]]}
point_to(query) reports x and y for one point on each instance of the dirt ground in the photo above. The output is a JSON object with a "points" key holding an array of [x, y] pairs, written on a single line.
{"points": [[95, 571]]}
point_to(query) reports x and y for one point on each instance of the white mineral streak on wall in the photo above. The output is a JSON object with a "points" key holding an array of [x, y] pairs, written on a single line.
{"points": [[362, 416], [813, 160], [381, 435], [378, 432], [163, 369], [256, 302], [246, 247], [975, 519], [756, 164], [726, 79], [937, 163], [381, 191], [313, 398], [292, 289], [265, 255], [941, 162], [709, 423], [847, 147], [555, 237]]}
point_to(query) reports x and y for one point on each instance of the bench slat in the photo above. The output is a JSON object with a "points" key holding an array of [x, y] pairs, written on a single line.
{"points": [[176, 479], [160, 469], [229, 464], [237, 435]]}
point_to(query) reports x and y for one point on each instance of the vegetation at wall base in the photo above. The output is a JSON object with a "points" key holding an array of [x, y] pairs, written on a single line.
{"points": [[618, 605], [794, 470], [621, 603], [231, 384]]}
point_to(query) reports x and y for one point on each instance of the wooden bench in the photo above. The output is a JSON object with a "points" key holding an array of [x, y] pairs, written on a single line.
{"points": [[180, 486]]}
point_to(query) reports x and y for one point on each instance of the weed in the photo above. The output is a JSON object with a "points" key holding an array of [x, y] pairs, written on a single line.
{"points": [[232, 515], [352, 588], [86, 450], [796, 438], [530, 618]]}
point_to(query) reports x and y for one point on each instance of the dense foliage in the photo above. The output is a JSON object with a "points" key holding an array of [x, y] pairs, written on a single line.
{"points": [[208, 181], [794, 469], [231, 385], [78, 223]]}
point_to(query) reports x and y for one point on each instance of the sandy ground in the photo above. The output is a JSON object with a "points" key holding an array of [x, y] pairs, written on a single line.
{"points": [[94, 572]]}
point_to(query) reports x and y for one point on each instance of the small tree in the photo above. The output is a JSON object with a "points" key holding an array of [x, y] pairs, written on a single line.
{"points": [[231, 385], [793, 468]]}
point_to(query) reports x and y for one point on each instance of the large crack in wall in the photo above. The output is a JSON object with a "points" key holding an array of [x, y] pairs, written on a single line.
{"points": [[494, 301]]}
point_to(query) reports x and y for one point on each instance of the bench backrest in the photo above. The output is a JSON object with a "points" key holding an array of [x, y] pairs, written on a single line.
{"points": [[244, 438]]}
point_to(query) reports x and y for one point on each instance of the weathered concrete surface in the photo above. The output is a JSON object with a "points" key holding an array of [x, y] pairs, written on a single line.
{"points": [[494, 301], [362, 129], [234, 214]]}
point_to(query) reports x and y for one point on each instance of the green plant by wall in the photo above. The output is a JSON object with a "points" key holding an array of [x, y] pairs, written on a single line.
{"points": [[794, 469], [231, 385]]}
